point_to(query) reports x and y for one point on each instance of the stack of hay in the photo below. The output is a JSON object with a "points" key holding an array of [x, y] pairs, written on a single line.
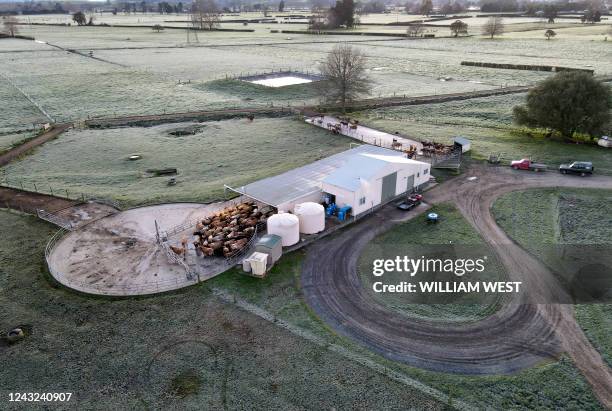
{"points": [[229, 230]]}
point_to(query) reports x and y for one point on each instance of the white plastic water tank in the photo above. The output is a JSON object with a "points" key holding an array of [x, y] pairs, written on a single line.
{"points": [[311, 216], [285, 225]]}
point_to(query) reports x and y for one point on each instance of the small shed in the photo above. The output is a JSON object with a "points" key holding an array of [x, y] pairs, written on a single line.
{"points": [[272, 245], [462, 142]]}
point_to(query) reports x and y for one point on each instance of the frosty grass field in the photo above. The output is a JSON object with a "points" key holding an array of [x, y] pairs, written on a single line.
{"points": [[233, 152], [558, 223], [228, 358], [152, 358], [142, 70], [411, 237]]}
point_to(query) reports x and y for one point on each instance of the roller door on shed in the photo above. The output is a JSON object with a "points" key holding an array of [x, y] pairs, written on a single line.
{"points": [[410, 183], [388, 187]]}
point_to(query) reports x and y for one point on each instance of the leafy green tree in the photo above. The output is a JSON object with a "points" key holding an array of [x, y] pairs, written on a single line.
{"points": [[342, 14], [458, 27], [569, 102]]}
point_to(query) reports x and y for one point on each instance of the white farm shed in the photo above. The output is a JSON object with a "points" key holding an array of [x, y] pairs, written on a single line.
{"points": [[362, 177], [367, 180]]}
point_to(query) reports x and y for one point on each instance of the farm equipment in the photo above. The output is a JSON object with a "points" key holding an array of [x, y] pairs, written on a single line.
{"points": [[526, 164]]}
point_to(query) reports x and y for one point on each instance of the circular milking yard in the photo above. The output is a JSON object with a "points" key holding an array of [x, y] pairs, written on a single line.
{"points": [[119, 255]]}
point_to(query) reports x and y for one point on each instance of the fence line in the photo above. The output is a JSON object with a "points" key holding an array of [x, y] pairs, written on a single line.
{"points": [[37, 189], [281, 71], [55, 219], [59, 193], [27, 96]]}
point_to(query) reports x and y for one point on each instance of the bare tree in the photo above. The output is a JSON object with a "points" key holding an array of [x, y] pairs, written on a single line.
{"points": [[345, 76], [10, 25], [415, 30], [549, 33], [493, 27], [205, 15]]}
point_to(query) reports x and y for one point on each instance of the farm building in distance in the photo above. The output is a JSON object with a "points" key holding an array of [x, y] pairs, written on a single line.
{"points": [[362, 178]]}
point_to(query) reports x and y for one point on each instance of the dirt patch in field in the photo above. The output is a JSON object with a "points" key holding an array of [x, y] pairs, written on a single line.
{"points": [[119, 254]]}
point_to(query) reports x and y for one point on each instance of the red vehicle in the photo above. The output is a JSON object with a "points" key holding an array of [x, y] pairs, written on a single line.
{"points": [[411, 201], [526, 164], [415, 198]]}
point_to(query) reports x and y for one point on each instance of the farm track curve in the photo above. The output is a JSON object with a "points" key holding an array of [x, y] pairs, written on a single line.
{"points": [[521, 334]]}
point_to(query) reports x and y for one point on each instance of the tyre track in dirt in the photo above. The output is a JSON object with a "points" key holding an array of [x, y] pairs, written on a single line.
{"points": [[520, 335]]}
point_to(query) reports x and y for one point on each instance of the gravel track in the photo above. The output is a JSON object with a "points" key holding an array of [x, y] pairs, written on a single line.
{"points": [[521, 334]]}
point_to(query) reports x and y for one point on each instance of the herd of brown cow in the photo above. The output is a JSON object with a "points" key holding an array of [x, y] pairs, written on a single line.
{"points": [[227, 231], [431, 148]]}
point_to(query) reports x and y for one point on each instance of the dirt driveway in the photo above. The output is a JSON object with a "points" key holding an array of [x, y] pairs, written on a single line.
{"points": [[518, 336]]}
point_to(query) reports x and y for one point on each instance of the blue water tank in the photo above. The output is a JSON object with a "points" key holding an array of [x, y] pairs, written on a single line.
{"points": [[343, 212]]}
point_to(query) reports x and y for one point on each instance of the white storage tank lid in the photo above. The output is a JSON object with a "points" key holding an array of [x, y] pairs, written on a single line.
{"points": [[285, 225], [311, 216]]}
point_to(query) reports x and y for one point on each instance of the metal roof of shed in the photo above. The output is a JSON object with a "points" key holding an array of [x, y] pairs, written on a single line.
{"points": [[461, 140], [307, 179], [362, 167]]}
